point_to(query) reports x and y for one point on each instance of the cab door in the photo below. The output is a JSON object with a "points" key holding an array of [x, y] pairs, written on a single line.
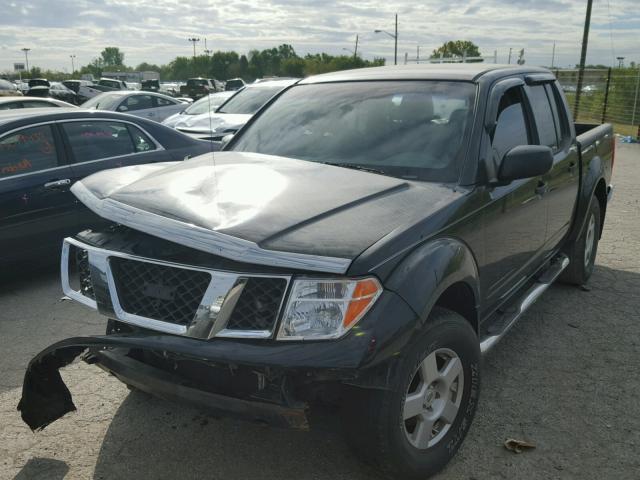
{"points": [[36, 206], [516, 215], [563, 179]]}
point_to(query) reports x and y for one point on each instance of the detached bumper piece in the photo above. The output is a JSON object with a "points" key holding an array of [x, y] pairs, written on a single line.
{"points": [[45, 397]]}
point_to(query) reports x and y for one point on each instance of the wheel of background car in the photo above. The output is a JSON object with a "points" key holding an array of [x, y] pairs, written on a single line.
{"points": [[412, 429], [582, 253]]}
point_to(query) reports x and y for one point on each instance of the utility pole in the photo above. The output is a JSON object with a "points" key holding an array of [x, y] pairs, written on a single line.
{"points": [[206, 50], [510, 49], [583, 59], [26, 56], [418, 55], [193, 40], [395, 55], [73, 67], [553, 55], [635, 100]]}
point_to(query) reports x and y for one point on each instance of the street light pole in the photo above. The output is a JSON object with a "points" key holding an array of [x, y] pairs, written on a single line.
{"points": [[395, 38], [194, 40], [73, 66], [355, 52], [26, 56]]}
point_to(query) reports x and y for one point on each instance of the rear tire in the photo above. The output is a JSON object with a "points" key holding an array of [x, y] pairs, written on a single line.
{"points": [[412, 429], [582, 254]]}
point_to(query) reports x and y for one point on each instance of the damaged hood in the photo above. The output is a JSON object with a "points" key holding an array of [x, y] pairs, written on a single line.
{"points": [[256, 208], [205, 122]]}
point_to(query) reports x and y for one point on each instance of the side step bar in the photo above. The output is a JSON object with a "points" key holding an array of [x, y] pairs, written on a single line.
{"points": [[558, 264]]}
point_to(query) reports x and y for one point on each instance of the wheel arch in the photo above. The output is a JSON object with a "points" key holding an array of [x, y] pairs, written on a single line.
{"points": [[442, 273]]}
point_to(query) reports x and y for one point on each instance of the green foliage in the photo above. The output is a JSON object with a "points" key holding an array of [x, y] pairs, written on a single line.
{"points": [[457, 49], [112, 57], [281, 61]]}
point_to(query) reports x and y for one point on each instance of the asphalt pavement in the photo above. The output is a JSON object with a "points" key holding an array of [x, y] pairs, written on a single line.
{"points": [[566, 378]]}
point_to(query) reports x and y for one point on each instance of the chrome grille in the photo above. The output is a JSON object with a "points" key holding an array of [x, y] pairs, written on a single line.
{"points": [[84, 274], [258, 305], [159, 292]]}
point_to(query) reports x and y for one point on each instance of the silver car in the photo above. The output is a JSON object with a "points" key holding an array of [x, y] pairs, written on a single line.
{"points": [[11, 103], [151, 105]]}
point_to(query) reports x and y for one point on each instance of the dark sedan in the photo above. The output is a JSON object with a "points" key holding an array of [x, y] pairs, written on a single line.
{"points": [[44, 151]]}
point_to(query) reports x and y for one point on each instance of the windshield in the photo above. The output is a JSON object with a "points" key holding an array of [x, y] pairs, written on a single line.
{"points": [[409, 129], [104, 101], [249, 100], [196, 81], [206, 104]]}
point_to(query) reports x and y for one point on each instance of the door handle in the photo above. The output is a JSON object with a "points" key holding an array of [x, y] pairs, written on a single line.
{"points": [[58, 183], [542, 188]]}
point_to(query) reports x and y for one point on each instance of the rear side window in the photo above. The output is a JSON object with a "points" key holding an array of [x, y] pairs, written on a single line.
{"points": [[163, 102], [559, 115], [29, 150], [136, 102], [543, 116], [94, 140], [511, 128], [141, 142]]}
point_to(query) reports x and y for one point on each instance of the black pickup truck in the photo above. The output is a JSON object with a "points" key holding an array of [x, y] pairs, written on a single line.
{"points": [[361, 241], [199, 87]]}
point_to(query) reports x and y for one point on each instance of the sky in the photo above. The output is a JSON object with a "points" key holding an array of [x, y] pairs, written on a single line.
{"points": [[156, 31]]}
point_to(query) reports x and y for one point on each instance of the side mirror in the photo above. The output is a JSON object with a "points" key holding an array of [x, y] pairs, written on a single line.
{"points": [[525, 161], [225, 140]]}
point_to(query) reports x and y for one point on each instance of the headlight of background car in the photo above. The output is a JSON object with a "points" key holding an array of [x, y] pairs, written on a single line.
{"points": [[325, 309]]}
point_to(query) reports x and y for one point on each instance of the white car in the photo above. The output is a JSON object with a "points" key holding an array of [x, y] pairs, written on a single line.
{"points": [[205, 105], [153, 106], [11, 103], [234, 113]]}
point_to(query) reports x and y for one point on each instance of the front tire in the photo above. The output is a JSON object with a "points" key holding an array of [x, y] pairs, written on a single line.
{"points": [[582, 254], [414, 428]]}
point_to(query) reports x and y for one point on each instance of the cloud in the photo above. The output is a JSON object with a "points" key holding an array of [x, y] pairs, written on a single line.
{"points": [[157, 30]]}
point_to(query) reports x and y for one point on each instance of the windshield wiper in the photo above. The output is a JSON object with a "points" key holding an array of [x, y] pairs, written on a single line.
{"points": [[356, 166]]}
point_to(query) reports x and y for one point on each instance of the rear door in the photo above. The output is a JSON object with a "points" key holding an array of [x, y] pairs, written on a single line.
{"points": [[516, 217], [140, 105], [36, 206], [94, 145], [165, 107], [561, 183]]}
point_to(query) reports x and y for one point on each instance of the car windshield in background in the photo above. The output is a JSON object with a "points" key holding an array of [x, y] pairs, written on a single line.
{"points": [[410, 129], [205, 104], [104, 101], [193, 83], [249, 100]]}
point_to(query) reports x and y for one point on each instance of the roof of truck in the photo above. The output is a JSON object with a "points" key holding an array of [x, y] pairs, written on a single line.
{"points": [[432, 71]]}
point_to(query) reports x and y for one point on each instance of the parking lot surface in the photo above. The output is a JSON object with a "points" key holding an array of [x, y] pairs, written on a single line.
{"points": [[566, 379]]}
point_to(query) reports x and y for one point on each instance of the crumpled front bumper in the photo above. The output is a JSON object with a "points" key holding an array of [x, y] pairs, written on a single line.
{"points": [[46, 398]]}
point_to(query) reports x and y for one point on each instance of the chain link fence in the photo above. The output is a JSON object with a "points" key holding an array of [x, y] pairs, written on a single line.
{"points": [[607, 95]]}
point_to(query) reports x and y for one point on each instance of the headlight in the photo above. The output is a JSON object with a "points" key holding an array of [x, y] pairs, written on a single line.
{"points": [[325, 309]]}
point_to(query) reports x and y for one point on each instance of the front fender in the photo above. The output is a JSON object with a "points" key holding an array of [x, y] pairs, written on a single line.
{"points": [[432, 268]]}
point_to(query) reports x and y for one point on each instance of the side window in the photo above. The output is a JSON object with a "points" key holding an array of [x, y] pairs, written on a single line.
{"points": [[37, 104], [141, 142], [10, 105], [163, 102], [93, 140], [136, 102], [559, 115], [543, 116], [29, 150], [511, 128]]}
